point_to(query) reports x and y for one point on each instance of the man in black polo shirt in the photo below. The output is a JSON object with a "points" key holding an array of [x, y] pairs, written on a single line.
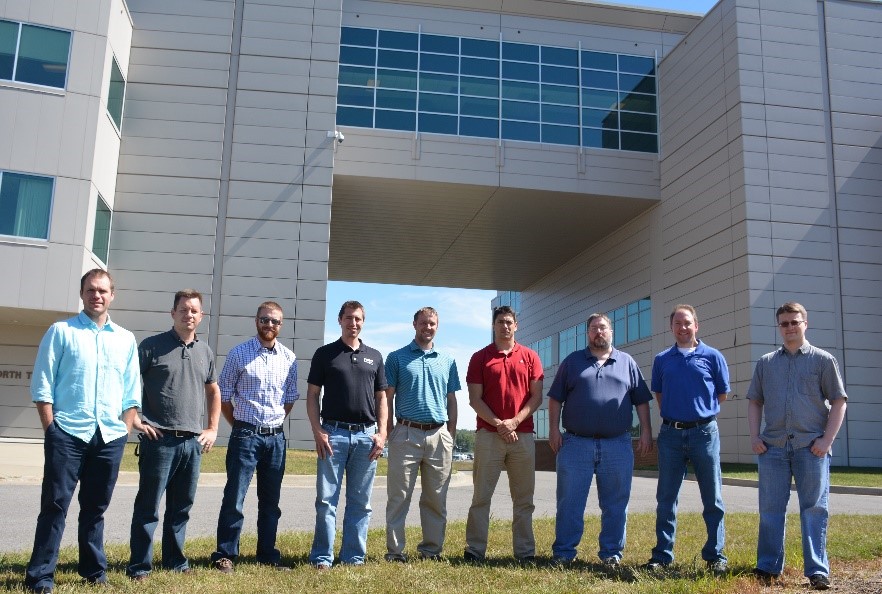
{"points": [[178, 371], [349, 427]]}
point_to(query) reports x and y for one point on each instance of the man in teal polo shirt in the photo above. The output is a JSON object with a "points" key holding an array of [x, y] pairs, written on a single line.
{"points": [[86, 387], [422, 397]]}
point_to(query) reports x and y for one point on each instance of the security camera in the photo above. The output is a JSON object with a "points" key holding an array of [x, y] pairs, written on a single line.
{"points": [[339, 136]]}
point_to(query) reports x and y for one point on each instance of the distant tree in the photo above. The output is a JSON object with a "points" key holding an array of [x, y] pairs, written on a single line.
{"points": [[465, 440]]}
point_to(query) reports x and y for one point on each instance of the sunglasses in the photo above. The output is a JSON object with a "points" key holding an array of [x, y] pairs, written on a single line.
{"points": [[268, 320], [790, 323]]}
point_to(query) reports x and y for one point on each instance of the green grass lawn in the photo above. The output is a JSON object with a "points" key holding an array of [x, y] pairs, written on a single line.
{"points": [[854, 541], [839, 475]]}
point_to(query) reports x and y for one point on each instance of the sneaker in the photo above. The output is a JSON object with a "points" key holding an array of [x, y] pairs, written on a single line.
{"points": [[224, 565], [141, 577], [470, 557], [561, 562], [321, 566], [395, 558], [654, 565], [719, 568], [278, 566], [819, 581], [611, 562], [427, 557], [764, 577]]}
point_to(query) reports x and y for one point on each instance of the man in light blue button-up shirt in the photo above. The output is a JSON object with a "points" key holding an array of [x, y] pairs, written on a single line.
{"points": [[86, 386]]}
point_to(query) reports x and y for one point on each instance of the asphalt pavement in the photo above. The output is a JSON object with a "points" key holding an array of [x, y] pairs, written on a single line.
{"points": [[21, 469]]}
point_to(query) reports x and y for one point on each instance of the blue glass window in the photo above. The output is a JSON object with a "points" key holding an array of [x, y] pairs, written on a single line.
{"points": [[598, 60], [358, 36], [639, 122], [101, 234], [359, 96], [399, 40], [520, 71], [480, 48], [439, 63], [358, 56], [353, 116], [600, 118], [32, 54], [439, 83], [599, 79], [598, 98], [644, 143], [637, 65], [560, 75], [116, 92], [396, 120], [635, 102], [440, 44], [438, 103], [483, 87], [520, 131], [397, 59], [488, 108], [520, 51], [8, 43], [396, 99], [520, 90], [593, 137], [479, 67], [25, 205], [520, 110], [560, 134], [483, 128], [558, 94], [640, 84], [440, 124], [560, 56], [397, 79], [356, 75], [560, 114]]}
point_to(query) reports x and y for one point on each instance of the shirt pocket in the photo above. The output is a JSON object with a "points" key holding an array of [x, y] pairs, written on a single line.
{"points": [[810, 385]]}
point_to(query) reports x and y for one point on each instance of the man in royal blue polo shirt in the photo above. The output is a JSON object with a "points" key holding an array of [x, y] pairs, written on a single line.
{"points": [[597, 388], [422, 396], [349, 427], [689, 380]]}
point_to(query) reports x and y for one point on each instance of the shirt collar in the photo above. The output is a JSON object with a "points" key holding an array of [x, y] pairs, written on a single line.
{"points": [[175, 335], [90, 323], [589, 355], [805, 348], [415, 347]]}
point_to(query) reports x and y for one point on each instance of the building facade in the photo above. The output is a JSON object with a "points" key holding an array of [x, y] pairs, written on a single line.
{"points": [[587, 157]]}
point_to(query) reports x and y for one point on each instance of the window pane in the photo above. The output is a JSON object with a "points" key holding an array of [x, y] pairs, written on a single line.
{"points": [[520, 51], [488, 108], [560, 134], [354, 116], [441, 44], [483, 87], [519, 110], [439, 63], [396, 59], [644, 143], [8, 41], [640, 122], [480, 48], [520, 71], [560, 56], [355, 75], [437, 123], [101, 236], [640, 84], [115, 96], [396, 120], [520, 131], [637, 64], [600, 118], [440, 83], [396, 99], [25, 203], [481, 127], [599, 60], [557, 94], [358, 56], [601, 99], [438, 103], [608, 139], [645, 324], [479, 67], [397, 79], [602, 80], [357, 36], [560, 75], [635, 102], [559, 114], [520, 90], [42, 56], [398, 40], [360, 96]]}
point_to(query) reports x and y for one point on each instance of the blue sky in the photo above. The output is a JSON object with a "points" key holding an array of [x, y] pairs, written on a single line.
{"points": [[464, 314]]}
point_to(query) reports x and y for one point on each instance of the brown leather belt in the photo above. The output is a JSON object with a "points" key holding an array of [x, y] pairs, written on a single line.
{"points": [[421, 426]]}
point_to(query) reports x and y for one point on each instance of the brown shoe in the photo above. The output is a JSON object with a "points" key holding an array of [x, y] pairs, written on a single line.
{"points": [[224, 565]]}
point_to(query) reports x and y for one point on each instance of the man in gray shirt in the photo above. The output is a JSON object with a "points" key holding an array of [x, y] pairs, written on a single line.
{"points": [[801, 391], [177, 370]]}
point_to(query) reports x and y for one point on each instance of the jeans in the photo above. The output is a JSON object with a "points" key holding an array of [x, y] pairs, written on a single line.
{"points": [[701, 446], [351, 451], [430, 453], [170, 465], [579, 459], [247, 451], [492, 455], [812, 477], [68, 460]]}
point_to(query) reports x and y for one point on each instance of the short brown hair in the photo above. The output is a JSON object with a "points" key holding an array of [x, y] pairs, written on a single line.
{"points": [[270, 305], [99, 272], [429, 311], [686, 307], [186, 294], [594, 316], [503, 310], [791, 307], [353, 304]]}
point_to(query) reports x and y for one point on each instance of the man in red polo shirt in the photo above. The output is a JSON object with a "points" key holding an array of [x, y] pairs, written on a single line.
{"points": [[505, 388]]}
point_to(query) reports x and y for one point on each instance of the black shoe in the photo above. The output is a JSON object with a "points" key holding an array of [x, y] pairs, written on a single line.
{"points": [[819, 581], [528, 561], [561, 562], [611, 562], [654, 565], [719, 568], [425, 557], [764, 577], [396, 558], [470, 557]]}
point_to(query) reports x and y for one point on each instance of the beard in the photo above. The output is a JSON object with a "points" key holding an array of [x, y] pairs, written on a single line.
{"points": [[268, 334], [600, 343]]}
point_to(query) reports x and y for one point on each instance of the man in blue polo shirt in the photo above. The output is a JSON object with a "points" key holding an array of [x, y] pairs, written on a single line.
{"points": [[689, 380], [422, 397], [349, 428], [597, 388]]}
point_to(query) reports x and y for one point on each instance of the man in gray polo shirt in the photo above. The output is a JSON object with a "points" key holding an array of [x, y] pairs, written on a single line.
{"points": [[597, 388], [178, 371], [799, 388]]}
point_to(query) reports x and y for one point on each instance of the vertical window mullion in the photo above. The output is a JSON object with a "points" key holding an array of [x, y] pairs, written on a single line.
{"points": [[17, 52]]}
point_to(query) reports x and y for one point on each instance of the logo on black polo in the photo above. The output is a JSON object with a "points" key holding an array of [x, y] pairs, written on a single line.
{"points": [[368, 361]]}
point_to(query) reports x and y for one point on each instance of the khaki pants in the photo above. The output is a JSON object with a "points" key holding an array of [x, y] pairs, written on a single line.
{"points": [[430, 453], [492, 455]]}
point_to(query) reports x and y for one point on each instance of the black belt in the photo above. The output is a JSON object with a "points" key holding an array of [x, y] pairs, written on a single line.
{"points": [[688, 424], [421, 426], [353, 427], [176, 433], [592, 436], [260, 430]]}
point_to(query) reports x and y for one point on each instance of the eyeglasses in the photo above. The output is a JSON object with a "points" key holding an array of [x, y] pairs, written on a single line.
{"points": [[790, 323], [268, 320]]}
